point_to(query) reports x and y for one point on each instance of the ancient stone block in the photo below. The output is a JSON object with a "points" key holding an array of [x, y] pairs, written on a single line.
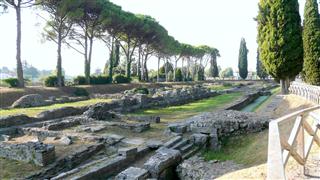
{"points": [[60, 113], [31, 100], [133, 173], [35, 152], [128, 152], [163, 160], [199, 139], [66, 140], [154, 144]]}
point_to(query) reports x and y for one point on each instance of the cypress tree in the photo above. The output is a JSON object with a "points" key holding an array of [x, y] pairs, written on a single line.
{"points": [[311, 43], [280, 39], [243, 59], [261, 72]]}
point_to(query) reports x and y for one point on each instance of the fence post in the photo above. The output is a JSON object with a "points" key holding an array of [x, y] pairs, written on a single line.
{"points": [[300, 145]]}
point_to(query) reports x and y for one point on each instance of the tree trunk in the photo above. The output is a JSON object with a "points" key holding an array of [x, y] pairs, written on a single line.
{"points": [[88, 68], [86, 57], [128, 71], [285, 83], [59, 61], [166, 69], [158, 73], [182, 70], [175, 70], [145, 69], [139, 65], [111, 59], [18, 55]]}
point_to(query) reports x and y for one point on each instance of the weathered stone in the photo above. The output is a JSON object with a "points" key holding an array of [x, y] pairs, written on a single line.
{"points": [[214, 140], [163, 160], [66, 140], [15, 120], [199, 139], [154, 144], [60, 113], [128, 152], [102, 111], [38, 153], [5, 137], [133, 173], [150, 119], [31, 100], [197, 168], [178, 127]]}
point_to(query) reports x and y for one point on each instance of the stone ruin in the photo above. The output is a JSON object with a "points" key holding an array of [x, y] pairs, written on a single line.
{"points": [[84, 142]]}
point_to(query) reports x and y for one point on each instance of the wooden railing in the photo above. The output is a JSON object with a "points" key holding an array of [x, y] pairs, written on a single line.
{"points": [[280, 149], [311, 93]]}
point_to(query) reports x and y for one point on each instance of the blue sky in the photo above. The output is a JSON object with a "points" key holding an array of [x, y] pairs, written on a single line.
{"points": [[217, 23]]}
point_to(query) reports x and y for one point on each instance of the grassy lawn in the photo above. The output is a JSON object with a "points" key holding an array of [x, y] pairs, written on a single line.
{"points": [[174, 113], [220, 87], [36, 110], [245, 149]]}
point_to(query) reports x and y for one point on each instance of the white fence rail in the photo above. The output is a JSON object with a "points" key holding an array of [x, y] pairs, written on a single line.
{"points": [[280, 149], [311, 93]]}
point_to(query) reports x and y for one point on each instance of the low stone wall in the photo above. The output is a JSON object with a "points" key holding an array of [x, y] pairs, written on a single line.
{"points": [[132, 102], [15, 120], [21, 119], [221, 124], [37, 153], [242, 103], [36, 100], [68, 162], [106, 167]]}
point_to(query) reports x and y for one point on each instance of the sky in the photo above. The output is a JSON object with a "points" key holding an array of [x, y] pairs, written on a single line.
{"points": [[216, 23]]}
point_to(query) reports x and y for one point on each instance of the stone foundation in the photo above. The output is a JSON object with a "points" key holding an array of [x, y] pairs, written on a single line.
{"points": [[37, 153]]}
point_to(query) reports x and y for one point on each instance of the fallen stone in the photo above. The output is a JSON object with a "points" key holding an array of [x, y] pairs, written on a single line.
{"points": [[35, 152], [163, 160], [154, 144], [199, 139], [133, 173], [60, 113], [66, 140], [6, 138], [178, 127], [128, 152], [31, 100]]}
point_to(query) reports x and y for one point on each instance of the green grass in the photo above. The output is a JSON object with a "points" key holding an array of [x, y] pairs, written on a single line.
{"points": [[220, 87], [248, 150], [36, 110], [173, 113]]}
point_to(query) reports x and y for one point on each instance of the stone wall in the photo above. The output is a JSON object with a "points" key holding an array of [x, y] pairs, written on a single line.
{"points": [[37, 153]]}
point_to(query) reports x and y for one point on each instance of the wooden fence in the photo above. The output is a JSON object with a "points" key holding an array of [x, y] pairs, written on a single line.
{"points": [[280, 149], [311, 93]]}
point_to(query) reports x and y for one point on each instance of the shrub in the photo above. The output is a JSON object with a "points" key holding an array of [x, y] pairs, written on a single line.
{"points": [[80, 92], [79, 80], [52, 81], [141, 90], [121, 79], [100, 80], [12, 82], [179, 76], [226, 84]]}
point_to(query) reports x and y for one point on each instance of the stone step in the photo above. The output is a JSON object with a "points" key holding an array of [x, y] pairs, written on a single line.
{"points": [[180, 144], [172, 142], [191, 153], [186, 148]]}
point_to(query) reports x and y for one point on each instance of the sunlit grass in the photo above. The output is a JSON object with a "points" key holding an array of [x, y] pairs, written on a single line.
{"points": [[173, 113], [220, 87], [36, 110], [245, 149]]}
